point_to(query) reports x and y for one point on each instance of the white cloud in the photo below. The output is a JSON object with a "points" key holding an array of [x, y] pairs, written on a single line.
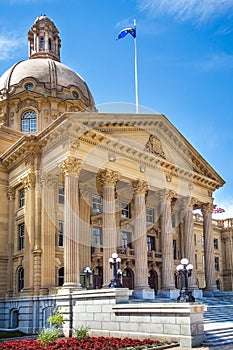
{"points": [[197, 10], [9, 46]]}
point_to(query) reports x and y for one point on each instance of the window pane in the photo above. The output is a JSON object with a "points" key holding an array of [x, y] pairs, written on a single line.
{"points": [[28, 122], [61, 195], [97, 204], [21, 236], [61, 234], [150, 215], [21, 198]]}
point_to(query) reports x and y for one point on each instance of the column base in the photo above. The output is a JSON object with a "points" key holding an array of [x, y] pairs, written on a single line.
{"points": [[211, 292], [168, 293], [69, 287], [144, 293]]}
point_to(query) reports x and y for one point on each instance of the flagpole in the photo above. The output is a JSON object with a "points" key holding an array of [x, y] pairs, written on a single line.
{"points": [[135, 68]]}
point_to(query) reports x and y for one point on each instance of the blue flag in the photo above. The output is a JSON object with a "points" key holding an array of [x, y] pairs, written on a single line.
{"points": [[126, 31]]}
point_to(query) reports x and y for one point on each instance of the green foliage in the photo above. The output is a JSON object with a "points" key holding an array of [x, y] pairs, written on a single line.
{"points": [[11, 334], [81, 332], [57, 319], [48, 335]]}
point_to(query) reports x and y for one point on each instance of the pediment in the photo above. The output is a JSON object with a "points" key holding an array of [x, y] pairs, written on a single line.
{"points": [[154, 136], [8, 137]]}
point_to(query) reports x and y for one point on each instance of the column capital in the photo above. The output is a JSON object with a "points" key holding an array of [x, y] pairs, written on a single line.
{"points": [[71, 166], [11, 194], [140, 186], [207, 208], [189, 202], [29, 181], [108, 177], [166, 195]]}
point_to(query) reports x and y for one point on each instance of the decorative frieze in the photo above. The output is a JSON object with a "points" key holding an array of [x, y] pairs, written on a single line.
{"points": [[27, 103]]}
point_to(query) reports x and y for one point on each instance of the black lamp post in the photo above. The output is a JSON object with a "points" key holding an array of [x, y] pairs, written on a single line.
{"points": [[88, 274], [184, 270], [114, 262]]}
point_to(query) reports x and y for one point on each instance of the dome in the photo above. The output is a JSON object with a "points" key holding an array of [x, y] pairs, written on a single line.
{"points": [[48, 72]]}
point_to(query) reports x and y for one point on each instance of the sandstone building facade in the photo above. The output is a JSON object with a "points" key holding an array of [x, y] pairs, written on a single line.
{"points": [[77, 185]]}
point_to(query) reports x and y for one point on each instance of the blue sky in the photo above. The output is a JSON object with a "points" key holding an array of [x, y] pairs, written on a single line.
{"points": [[184, 55]]}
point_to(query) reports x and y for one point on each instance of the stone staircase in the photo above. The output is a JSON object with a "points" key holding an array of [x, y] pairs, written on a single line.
{"points": [[218, 321]]}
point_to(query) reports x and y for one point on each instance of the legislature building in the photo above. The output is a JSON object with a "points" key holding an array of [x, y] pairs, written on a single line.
{"points": [[78, 185]]}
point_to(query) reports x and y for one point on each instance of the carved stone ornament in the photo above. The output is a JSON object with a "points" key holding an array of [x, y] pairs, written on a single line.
{"points": [[71, 166], [140, 187], [154, 146], [2, 117], [108, 177], [189, 202], [207, 208], [27, 103], [29, 181]]}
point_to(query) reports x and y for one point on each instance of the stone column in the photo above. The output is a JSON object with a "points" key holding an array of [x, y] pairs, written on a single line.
{"points": [[85, 228], [29, 185], [37, 244], [48, 235], [142, 289], [71, 168], [168, 270], [108, 179], [189, 246], [10, 272], [210, 276]]}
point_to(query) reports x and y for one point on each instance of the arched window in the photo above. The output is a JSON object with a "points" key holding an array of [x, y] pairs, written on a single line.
{"points": [[61, 276], [28, 122], [20, 279]]}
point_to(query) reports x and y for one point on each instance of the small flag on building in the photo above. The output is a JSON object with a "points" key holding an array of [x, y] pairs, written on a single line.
{"points": [[218, 210], [126, 31]]}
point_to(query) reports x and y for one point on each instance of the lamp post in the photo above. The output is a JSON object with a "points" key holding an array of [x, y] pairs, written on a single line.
{"points": [[184, 270], [114, 262], [88, 274]]}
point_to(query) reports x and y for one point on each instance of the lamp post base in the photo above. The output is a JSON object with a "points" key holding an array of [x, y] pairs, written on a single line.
{"points": [[185, 297]]}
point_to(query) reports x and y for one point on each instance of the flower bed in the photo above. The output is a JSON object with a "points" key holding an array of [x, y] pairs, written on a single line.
{"points": [[90, 343]]}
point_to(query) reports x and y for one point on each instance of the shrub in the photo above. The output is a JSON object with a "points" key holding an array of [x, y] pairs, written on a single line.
{"points": [[56, 319], [48, 335], [81, 332]]}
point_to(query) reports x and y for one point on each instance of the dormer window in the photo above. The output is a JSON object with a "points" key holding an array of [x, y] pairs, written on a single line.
{"points": [[75, 95], [28, 86], [28, 122]]}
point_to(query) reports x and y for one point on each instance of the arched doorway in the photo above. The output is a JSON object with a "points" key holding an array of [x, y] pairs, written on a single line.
{"points": [[153, 280], [128, 278], [97, 277]]}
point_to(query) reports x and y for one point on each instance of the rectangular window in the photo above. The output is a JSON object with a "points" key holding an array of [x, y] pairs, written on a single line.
{"points": [[125, 210], [61, 195], [97, 204], [21, 198], [150, 243], [195, 239], [96, 236], [215, 243], [216, 263], [174, 249], [61, 234], [150, 215], [21, 236], [125, 240]]}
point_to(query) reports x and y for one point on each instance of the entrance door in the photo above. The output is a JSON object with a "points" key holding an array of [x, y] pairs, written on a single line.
{"points": [[153, 280], [97, 277], [128, 278]]}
